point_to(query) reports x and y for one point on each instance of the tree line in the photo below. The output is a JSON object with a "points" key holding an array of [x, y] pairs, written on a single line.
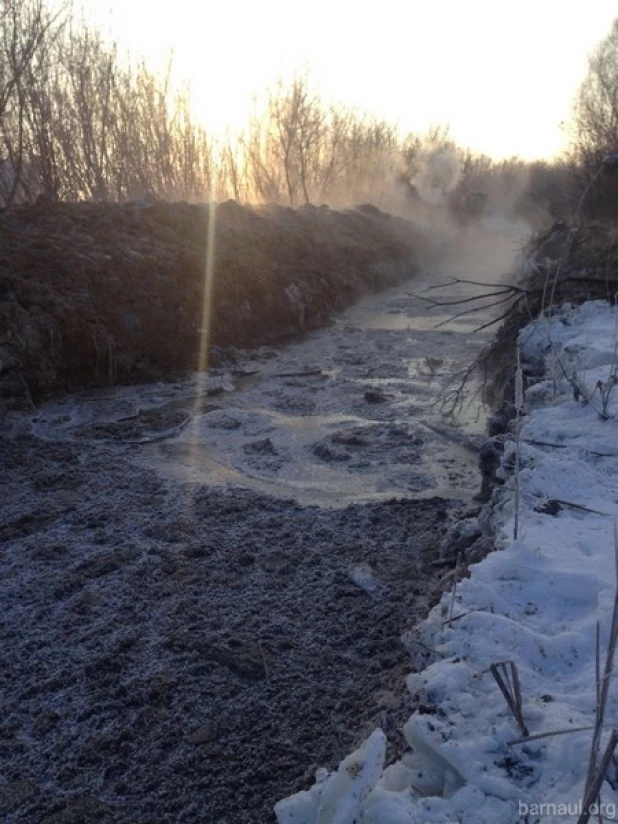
{"points": [[80, 122]]}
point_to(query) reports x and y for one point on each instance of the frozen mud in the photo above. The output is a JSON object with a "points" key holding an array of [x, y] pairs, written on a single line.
{"points": [[204, 584]]}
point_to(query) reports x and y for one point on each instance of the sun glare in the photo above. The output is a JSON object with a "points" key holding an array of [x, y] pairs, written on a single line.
{"points": [[205, 335], [503, 79]]}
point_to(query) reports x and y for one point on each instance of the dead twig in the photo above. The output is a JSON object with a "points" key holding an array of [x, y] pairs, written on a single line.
{"points": [[568, 446], [454, 281], [502, 317], [598, 767], [432, 302], [454, 590], [472, 311], [580, 507], [550, 734], [593, 788], [507, 679], [450, 620]]}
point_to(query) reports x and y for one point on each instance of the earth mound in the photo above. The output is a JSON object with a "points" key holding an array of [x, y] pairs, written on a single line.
{"points": [[103, 293]]}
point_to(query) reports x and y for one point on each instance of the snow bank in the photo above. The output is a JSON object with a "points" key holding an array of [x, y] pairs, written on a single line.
{"points": [[535, 602]]}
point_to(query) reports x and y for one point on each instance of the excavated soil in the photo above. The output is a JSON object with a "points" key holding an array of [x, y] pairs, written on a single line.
{"points": [[189, 654], [94, 294]]}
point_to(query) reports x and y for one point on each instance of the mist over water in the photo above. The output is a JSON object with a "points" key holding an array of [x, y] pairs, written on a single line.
{"points": [[490, 251], [439, 174]]}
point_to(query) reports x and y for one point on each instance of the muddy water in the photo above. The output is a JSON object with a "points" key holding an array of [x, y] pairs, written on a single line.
{"points": [[346, 415], [348, 423], [204, 583]]}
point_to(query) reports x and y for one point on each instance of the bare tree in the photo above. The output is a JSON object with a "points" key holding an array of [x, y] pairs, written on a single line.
{"points": [[595, 123], [296, 122], [26, 29], [78, 122]]}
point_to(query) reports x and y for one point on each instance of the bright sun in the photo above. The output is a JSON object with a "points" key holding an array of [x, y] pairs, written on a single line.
{"points": [[502, 76]]}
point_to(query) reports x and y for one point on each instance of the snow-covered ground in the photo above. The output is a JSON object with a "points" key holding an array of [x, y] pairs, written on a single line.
{"points": [[536, 602]]}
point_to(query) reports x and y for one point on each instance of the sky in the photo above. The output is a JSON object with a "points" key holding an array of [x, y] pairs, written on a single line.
{"points": [[501, 75]]}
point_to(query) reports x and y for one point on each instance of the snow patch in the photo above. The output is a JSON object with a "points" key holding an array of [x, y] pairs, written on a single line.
{"points": [[340, 798], [535, 602]]}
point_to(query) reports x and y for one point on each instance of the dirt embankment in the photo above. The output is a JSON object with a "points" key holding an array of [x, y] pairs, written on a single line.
{"points": [[95, 294]]}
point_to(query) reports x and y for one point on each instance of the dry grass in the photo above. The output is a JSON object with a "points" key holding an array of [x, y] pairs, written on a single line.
{"points": [[506, 676], [598, 764]]}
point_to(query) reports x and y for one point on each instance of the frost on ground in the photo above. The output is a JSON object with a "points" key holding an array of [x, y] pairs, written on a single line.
{"points": [[535, 602], [202, 603], [204, 584]]}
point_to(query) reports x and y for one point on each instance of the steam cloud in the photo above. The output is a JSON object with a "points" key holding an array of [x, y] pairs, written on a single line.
{"points": [[438, 175]]}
